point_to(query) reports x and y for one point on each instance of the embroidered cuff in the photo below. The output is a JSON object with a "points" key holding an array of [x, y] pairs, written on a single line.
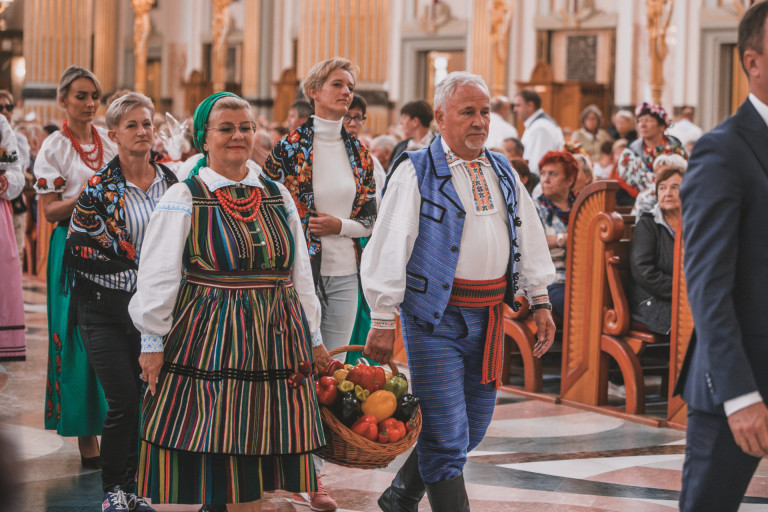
{"points": [[317, 338], [539, 299], [382, 320], [151, 343]]}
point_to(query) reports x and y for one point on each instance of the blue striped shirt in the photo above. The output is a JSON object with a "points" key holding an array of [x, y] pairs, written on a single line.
{"points": [[139, 206]]}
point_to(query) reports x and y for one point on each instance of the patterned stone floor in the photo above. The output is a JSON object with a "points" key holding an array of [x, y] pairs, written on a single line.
{"points": [[536, 457]]}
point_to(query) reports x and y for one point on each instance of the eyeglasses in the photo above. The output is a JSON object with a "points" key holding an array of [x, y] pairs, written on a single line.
{"points": [[8, 107], [228, 129], [357, 119]]}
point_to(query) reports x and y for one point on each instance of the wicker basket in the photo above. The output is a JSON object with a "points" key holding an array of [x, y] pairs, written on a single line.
{"points": [[346, 448]]}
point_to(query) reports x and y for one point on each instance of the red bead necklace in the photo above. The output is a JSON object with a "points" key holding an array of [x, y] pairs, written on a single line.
{"points": [[233, 205], [94, 158]]}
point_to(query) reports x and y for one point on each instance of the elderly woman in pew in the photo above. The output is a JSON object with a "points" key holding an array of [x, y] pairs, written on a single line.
{"points": [[558, 171], [652, 253]]}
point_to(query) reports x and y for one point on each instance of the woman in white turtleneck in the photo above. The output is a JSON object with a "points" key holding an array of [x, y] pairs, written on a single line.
{"points": [[330, 176]]}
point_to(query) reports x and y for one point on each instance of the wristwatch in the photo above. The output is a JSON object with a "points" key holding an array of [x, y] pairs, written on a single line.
{"points": [[543, 305]]}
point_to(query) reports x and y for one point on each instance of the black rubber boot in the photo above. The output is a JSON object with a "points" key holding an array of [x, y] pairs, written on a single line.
{"points": [[448, 495], [406, 490]]}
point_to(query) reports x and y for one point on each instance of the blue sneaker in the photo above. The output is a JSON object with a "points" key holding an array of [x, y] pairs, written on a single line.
{"points": [[137, 504], [114, 501]]}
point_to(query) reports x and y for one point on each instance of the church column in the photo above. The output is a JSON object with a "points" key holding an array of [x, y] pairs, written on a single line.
{"points": [[658, 16], [141, 29], [357, 30], [489, 45], [251, 44], [57, 33], [221, 25], [104, 43]]}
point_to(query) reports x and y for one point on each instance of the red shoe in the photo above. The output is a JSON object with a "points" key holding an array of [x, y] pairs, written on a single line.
{"points": [[319, 501]]}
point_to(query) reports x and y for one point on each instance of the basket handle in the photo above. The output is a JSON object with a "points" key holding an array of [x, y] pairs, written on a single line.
{"points": [[359, 348]]}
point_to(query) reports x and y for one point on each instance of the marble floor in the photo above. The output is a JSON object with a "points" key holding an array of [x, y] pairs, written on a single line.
{"points": [[537, 456]]}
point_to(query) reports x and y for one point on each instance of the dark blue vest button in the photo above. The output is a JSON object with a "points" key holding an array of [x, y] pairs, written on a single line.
{"points": [[446, 286], [454, 249], [461, 215], [436, 315]]}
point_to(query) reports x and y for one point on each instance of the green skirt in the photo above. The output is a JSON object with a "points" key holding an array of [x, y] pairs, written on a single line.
{"points": [[74, 400], [177, 476]]}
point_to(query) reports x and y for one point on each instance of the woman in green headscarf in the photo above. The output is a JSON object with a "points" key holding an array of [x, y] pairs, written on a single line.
{"points": [[229, 326]]}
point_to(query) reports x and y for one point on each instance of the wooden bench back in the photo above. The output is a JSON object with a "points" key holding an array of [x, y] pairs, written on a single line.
{"points": [[593, 223], [680, 335]]}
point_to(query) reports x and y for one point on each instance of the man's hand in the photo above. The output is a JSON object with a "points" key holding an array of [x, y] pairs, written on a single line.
{"points": [[324, 225], [321, 357], [379, 345], [545, 334], [151, 363], [750, 429]]}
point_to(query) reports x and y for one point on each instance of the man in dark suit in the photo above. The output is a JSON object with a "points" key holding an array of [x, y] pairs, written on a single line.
{"points": [[724, 378]]}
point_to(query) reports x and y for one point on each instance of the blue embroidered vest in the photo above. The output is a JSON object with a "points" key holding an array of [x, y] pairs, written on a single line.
{"points": [[431, 269]]}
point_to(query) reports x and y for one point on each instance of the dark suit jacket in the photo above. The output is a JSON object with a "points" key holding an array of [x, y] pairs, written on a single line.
{"points": [[725, 231]]}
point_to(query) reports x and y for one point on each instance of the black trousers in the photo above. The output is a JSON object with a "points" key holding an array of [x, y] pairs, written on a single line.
{"points": [[716, 471], [113, 345]]}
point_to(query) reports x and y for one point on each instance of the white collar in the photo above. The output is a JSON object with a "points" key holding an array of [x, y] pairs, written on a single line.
{"points": [[533, 117], [761, 107], [215, 181], [327, 129], [452, 157]]}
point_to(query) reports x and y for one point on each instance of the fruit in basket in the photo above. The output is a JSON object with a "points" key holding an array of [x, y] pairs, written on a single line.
{"points": [[366, 426], [410, 425], [407, 408], [346, 387], [371, 378], [332, 366], [397, 385], [340, 375], [326, 391], [361, 393], [381, 404], [391, 431], [349, 410]]}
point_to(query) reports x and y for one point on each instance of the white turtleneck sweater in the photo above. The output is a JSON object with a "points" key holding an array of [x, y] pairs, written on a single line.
{"points": [[333, 183]]}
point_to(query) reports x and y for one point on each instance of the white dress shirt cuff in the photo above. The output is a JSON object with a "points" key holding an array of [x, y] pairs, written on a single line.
{"points": [[317, 339], [741, 402], [382, 320], [537, 293], [151, 343]]}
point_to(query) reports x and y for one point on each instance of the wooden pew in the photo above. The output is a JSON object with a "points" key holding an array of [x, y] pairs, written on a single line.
{"points": [[680, 335], [520, 338]]}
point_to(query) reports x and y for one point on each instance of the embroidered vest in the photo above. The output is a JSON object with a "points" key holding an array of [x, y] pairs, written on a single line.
{"points": [[432, 267]]}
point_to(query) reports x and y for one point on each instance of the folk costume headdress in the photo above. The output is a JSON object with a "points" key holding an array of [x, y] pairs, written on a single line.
{"points": [[199, 121]]}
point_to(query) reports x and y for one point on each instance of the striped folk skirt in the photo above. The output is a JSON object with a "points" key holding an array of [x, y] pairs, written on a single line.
{"points": [[224, 425]]}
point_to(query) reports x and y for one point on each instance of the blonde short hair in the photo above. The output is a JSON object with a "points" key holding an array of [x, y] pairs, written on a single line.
{"points": [[318, 74], [124, 104]]}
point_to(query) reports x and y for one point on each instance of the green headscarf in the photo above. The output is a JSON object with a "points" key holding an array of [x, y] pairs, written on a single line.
{"points": [[199, 121]]}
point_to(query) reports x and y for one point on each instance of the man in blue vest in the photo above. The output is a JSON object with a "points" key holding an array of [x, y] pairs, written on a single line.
{"points": [[456, 236]]}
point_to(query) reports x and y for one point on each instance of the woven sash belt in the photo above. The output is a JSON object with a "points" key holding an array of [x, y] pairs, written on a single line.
{"points": [[278, 279], [490, 294]]}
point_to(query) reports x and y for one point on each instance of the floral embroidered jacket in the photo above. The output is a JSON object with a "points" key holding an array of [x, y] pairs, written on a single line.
{"points": [[291, 163]]}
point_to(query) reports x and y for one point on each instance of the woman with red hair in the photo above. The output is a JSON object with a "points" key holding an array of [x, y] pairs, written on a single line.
{"points": [[558, 171]]}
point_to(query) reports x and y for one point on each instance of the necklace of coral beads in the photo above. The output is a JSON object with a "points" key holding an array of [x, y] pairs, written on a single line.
{"points": [[94, 158], [232, 205]]}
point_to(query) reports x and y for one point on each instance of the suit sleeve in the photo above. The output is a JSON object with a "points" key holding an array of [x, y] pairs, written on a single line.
{"points": [[711, 196], [643, 262]]}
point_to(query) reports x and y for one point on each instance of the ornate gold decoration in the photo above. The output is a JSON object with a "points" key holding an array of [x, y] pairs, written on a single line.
{"points": [[141, 29], [501, 18], [221, 26], [658, 15], [436, 14], [578, 12]]}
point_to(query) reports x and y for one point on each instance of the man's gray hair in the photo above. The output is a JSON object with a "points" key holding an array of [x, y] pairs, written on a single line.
{"points": [[124, 104], [448, 85]]}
